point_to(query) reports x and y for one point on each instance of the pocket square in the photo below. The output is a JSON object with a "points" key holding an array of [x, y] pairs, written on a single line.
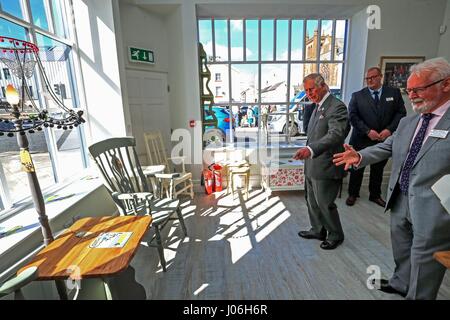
{"points": [[389, 99]]}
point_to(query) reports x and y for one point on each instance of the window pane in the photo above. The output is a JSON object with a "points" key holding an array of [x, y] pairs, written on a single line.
{"points": [[39, 14], [266, 39], [273, 82], [219, 79], [251, 38], [55, 57], [297, 40], [237, 40], [58, 20], [311, 39], [16, 179], [205, 37], [221, 38], [298, 72], [332, 73], [12, 7], [340, 40], [326, 39], [282, 39], [12, 30], [244, 81]]}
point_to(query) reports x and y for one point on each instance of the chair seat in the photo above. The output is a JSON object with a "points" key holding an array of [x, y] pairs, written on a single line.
{"points": [[242, 170], [162, 209]]}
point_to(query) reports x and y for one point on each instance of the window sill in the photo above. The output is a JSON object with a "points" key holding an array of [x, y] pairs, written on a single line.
{"points": [[62, 211]]}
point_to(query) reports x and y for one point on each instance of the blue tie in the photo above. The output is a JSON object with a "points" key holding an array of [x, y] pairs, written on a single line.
{"points": [[413, 152], [376, 98]]}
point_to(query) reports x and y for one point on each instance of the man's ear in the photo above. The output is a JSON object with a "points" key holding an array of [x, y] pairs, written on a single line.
{"points": [[446, 85]]}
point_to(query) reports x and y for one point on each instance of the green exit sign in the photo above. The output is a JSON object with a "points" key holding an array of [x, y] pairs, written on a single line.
{"points": [[141, 55]]}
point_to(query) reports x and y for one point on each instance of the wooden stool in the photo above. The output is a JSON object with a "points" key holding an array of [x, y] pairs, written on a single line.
{"points": [[241, 170]]}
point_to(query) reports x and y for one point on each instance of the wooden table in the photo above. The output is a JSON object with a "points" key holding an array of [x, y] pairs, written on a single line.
{"points": [[443, 257], [70, 257]]}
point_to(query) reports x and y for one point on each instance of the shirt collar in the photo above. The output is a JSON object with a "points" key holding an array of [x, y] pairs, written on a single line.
{"points": [[319, 105], [379, 91], [442, 109]]}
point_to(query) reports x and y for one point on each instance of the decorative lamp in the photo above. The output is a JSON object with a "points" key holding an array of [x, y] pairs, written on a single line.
{"points": [[20, 114]]}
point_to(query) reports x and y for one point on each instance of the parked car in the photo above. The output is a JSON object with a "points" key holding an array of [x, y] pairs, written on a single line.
{"points": [[223, 122], [277, 122]]}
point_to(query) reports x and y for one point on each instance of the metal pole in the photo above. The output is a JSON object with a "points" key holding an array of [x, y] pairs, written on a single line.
{"points": [[36, 193]]}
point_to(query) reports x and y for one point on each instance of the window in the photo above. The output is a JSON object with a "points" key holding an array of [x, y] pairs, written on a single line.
{"points": [[13, 7], [39, 13], [262, 63], [218, 91], [6, 73], [218, 78], [57, 154]]}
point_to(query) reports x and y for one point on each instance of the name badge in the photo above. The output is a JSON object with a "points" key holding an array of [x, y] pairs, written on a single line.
{"points": [[389, 99], [441, 134]]}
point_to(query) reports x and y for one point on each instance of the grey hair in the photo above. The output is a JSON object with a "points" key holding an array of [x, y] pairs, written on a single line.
{"points": [[317, 77], [374, 68], [438, 67]]}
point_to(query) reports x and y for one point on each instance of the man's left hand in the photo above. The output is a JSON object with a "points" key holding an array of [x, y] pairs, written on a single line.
{"points": [[302, 153], [385, 134]]}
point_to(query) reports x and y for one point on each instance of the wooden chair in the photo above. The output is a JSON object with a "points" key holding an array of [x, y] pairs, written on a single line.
{"points": [[15, 284], [119, 165], [156, 154]]}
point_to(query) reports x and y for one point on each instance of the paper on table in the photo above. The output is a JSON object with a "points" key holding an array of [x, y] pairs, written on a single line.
{"points": [[111, 240]]}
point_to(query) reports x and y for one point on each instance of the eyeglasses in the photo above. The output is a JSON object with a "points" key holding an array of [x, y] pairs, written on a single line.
{"points": [[422, 89], [372, 77]]}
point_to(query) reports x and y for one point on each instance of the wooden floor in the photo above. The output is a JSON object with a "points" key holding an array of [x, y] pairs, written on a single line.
{"points": [[250, 250]]}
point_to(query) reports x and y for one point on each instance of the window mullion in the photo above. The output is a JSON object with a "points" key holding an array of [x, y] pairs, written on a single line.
{"points": [[50, 18]]}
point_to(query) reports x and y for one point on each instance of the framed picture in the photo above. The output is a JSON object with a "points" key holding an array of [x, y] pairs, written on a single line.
{"points": [[396, 70]]}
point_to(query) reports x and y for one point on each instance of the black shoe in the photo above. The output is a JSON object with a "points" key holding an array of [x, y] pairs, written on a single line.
{"points": [[330, 244], [379, 201], [385, 287], [350, 200], [312, 235]]}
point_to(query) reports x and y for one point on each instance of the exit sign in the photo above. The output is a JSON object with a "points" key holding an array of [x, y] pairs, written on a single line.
{"points": [[141, 55]]}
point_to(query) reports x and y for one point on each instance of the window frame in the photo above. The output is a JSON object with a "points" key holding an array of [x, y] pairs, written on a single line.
{"points": [[288, 62], [7, 206]]}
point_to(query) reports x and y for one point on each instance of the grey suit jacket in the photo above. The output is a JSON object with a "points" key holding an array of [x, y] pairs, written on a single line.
{"points": [[433, 161], [327, 131]]}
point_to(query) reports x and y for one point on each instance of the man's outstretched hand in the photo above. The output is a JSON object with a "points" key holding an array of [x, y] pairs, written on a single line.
{"points": [[349, 157]]}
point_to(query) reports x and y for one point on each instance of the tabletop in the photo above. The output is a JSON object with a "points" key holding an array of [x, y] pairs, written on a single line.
{"points": [[70, 255]]}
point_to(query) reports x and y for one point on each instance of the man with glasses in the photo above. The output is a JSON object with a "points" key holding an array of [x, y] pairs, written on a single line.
{"points": [[374, 112], [420, 151]]}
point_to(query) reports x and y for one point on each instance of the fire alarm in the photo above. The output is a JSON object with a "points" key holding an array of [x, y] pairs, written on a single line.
{"points": [[191, 123]]}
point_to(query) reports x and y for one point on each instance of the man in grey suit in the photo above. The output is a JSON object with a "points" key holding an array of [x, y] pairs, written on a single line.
{"points": [[327, 129], [420, 151]]}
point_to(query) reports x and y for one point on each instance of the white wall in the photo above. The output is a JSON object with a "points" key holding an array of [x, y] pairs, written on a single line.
{"points": [[97, 51], [444, 43], [143, 29], [356, 53]]}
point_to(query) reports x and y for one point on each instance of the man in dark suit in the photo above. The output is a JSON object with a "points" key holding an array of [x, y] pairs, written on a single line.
{"points": [[327, 130], [374, 112]]}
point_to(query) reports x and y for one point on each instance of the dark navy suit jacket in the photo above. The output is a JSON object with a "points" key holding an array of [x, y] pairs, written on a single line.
{"points": [[365, 115]]}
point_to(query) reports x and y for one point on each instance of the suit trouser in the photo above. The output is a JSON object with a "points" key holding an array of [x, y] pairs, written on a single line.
{"points": [[416, 271], [322, 210], [375, 180]]}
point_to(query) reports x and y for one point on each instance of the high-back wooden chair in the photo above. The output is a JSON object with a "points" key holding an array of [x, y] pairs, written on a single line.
{"points": [[15, 284], [119, 165], [157, 155]]}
